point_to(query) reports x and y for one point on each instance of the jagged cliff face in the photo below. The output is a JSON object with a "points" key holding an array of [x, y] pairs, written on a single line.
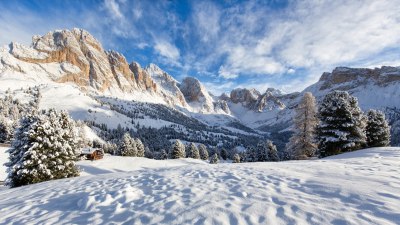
{"points": [[76, 56], [254, 100], [196, 94], [348, 78], [166, 85]]}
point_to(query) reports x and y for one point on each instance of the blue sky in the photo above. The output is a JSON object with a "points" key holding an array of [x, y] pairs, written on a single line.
{"points": [[225, 44]]}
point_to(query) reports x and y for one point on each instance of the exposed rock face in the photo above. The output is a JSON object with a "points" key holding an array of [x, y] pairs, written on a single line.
{"points": [[196, 93], [143, 79], [247, 97], [268, 101], [349, 78], [167, 86], [222, 105]]}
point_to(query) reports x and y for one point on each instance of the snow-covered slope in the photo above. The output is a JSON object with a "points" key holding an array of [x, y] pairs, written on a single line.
{"points": [[76, 60], [360, 187]]}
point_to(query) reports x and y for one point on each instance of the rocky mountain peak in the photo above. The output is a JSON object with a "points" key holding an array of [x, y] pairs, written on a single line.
{"points": [[348, 78], [196, 94], [245, 96]]}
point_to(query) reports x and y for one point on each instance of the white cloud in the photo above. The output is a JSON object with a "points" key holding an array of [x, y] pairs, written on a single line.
{"points": [[227, 74], [166, 49], [113, 8]]}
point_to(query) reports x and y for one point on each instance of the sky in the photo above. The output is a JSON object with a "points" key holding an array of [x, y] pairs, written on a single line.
{"points": [[225, 44]]}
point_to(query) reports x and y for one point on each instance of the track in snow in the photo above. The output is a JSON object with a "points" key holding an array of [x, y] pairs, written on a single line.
{"points": [[362, 188]]}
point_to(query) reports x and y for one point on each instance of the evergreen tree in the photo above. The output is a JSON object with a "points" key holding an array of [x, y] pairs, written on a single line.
{"points": [[303, 143], [261, 152], [342, 124], [251, 154], [127, 146], [5, 130], [148, 153], [203, 152], [44, 149], [378, 130], [236, 158], [139, 147], [272, 152], [178, 150], [163, 155], [224, 154], [193, 151], [214, 159]]}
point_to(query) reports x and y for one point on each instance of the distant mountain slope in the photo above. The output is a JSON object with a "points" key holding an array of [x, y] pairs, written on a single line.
{"points": [[75, 62]]}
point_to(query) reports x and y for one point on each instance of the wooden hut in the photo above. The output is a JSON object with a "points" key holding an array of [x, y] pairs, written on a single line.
{"points": [[92, 153]]}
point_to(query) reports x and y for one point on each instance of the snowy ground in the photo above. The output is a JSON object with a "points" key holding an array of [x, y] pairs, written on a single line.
{"points": [[361, 187]]}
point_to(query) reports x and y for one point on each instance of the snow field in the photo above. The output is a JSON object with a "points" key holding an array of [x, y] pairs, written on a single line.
{"points": [[354, 188]]}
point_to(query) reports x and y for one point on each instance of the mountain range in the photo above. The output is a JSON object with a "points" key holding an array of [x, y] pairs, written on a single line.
{"points": [[74, 72]]}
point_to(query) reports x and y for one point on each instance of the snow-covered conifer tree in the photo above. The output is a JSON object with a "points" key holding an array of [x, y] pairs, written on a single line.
{"points": [[214, 159], [178, 150], [224, 154], [203, 152], [163, 155], [44, 149], [342, 124], [236, 158], [378, 130], [251, 154], [5, 130], [139, 147], [272, 152], [303, 143], [261, 152], [193, 151], [127, 146]]}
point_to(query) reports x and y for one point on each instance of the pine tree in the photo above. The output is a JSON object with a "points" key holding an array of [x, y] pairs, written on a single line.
{"points": [[342, 124], [203, 152], [214, 159], [163, 155], [5, 130], [178, 150], [139, 147], [44, 149], [193, 151], [224, 154], [148, 153], [261, 152], [236, 158], [127, 146], [272, 152], [303, 143], [378, 130], [251, 154]]}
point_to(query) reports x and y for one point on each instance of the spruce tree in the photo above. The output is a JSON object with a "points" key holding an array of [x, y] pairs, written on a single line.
{"points": [[5, 130], [261, 152], [378, 130], [224, 154], [193, 151], [44, 149], [303, 143], [251, 154], [127, 146], [178, 150], [236, 158], [272, 152], [139, 147], [203, 152], [214, 159], [342, 124]]}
